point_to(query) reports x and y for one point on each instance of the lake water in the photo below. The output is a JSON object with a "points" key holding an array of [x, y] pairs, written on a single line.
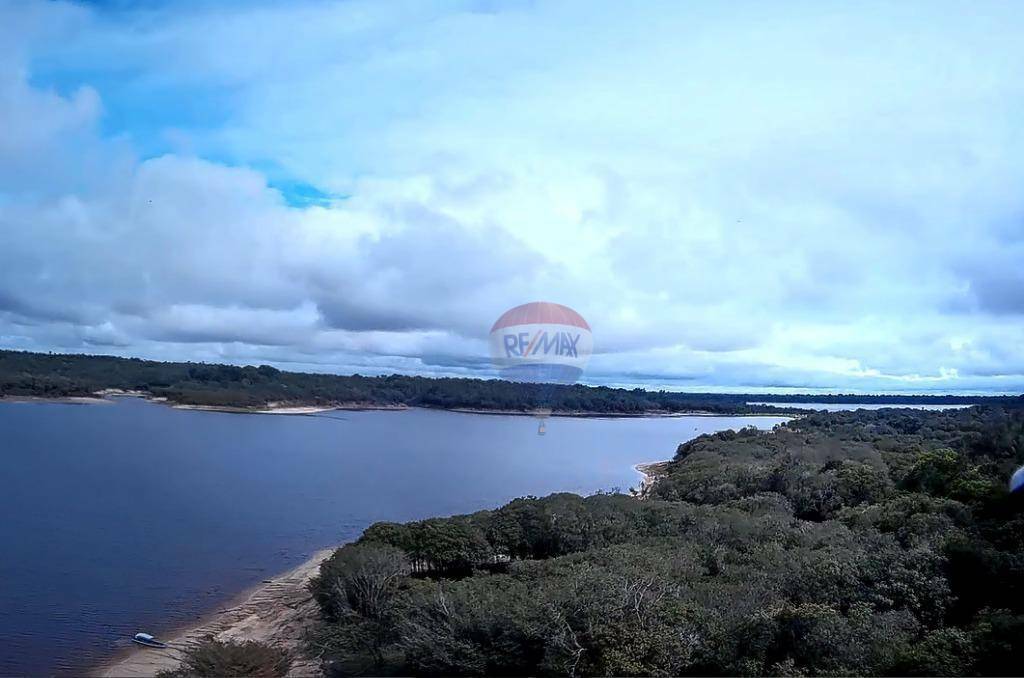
{"points": [[135, 516]]}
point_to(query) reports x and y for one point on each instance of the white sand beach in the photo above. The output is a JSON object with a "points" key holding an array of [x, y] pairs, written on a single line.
{"points": [[276, 612]]}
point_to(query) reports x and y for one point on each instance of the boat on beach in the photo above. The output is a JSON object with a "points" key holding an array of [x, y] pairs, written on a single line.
{"points": [[147, 640]]}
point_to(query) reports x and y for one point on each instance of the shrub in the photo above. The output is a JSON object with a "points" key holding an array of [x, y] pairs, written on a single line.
{"points": [[228, 659]]}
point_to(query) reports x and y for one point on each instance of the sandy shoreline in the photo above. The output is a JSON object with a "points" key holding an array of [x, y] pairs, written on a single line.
{"points": [[63, 400], [650, 472], [277, 612], [311, 409], [286, 408], [107, 396]]}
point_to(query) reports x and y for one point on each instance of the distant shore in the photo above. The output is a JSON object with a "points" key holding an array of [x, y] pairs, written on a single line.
{"points": [[276, 612], [108, 395], [586, 414], [64, 400], [299, 410]]}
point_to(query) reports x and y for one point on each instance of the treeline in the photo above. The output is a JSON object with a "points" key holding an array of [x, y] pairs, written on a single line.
{"points": [[55, 375], [853, 543], [883, 399]]}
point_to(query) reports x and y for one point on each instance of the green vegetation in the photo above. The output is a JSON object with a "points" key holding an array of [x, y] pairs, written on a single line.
{"points": [[50, 375], [218, 659], [854, 543]]}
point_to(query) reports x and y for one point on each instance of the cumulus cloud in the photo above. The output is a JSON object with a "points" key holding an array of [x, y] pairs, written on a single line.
{"points": [[751, 196]]}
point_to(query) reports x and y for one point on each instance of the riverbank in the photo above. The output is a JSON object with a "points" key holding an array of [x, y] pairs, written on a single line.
{"points": [[286, 408], [585, 414], [298, 410], [650, 472], [64, 400], [107, 396], [277, 612], [310, 410]]}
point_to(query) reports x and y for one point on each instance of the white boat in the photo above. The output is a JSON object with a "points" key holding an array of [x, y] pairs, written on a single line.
{"points": [[147, 640]]}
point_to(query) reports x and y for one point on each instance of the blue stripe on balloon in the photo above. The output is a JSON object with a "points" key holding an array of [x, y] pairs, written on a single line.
{"points": [[542, 373]]}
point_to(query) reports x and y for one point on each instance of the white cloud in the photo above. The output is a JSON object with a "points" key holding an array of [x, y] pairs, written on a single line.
{"points": [[744, 196]]}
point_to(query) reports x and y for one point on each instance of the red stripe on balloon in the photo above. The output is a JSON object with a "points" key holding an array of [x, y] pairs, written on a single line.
{"points": [[540, 312]]}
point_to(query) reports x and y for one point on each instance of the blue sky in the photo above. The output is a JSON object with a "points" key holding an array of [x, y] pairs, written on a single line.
{"points": [[740, 196]]}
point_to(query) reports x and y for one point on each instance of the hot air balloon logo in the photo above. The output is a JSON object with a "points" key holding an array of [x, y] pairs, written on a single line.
{"points": [[541, 343]]}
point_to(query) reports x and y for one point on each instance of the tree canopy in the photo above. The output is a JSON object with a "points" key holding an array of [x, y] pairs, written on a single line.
{"points": [[855, 543]]}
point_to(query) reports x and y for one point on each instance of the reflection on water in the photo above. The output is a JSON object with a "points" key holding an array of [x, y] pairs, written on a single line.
{"points": [[136, 516]]}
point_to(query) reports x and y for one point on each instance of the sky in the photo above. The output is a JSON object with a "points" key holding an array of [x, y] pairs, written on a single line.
{"points": [[740, 196]]}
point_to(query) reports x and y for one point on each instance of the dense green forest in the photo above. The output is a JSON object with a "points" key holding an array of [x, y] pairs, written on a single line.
{"points": [[851, 543], [56, 375]]}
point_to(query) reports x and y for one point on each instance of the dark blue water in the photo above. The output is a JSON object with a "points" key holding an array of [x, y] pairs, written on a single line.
{"points": [[128, 516]]}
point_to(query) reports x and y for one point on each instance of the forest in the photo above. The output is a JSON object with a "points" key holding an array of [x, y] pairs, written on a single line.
{"points": [[60, 375], [850, 543]]}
